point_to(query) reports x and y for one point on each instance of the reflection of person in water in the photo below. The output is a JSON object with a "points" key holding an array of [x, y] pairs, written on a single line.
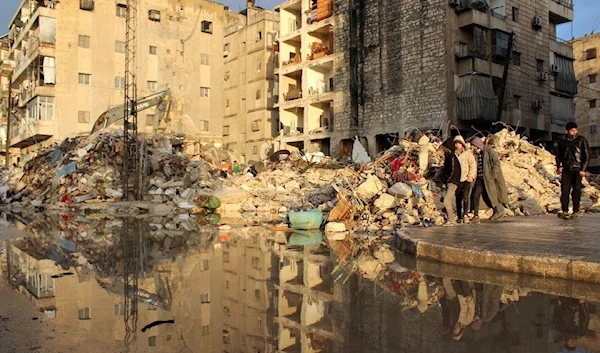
{"points": [[450, 306], [571, 317]]}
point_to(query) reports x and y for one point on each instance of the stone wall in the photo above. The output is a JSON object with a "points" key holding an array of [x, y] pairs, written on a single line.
{"points": [[399, 71]]}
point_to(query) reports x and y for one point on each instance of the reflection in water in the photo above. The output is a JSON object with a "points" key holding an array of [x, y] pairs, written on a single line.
{"points": [[251, 290]]}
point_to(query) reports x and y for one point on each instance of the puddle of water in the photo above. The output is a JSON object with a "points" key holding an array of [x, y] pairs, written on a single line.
{"points": [[173, 286]]}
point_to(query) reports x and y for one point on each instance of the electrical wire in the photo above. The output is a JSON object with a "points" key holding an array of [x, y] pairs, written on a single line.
{"points": [[550, 87]]}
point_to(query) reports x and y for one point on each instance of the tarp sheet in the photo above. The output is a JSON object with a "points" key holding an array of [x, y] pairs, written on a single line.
{"points": [[476, 98]]}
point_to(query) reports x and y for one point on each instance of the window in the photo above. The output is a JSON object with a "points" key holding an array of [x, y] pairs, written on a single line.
{"points": [[515, 14], [226, 48], [592, 78], [226, 311], [254, 149], [593, 129], [84, 41], [226, 130], [150, 119], [256, 125], [204, 298], [226, 284], [205, 265], [500, 45], [257, 293], [204, 92], [121, 10], [204, 59], [592, 103], [590, 54], [207, 27], [41, 108], [152, 85], [516, 59], [517, 100], [168, 51], [154, 15], [83, 117], [119, 46], [259, 35], [258, 65], [85, 79], [84, 314], [120, 82], [205, 330], [203, 125], [259, 323], [225, 257], [258, 94], [152, 50], [119, 309], [226, 103], [539, 65], [255, 262], [152, 341], [87, 5]]}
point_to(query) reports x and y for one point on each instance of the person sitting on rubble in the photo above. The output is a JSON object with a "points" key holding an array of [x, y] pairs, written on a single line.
{"points": [[468, 173], [490, 181], [252, 170], [451, 177], [572, 161], [236, 167], [224, 169]]}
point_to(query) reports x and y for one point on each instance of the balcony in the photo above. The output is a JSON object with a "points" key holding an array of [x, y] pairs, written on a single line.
{"points": [[291, 5], [31, 131], [468, 19], [562, 48], [34, 91], [23, 60], [561, 11], [477, 65]]}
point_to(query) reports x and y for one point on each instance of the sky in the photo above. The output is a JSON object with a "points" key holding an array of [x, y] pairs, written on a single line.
{"points": [[587, 15]]}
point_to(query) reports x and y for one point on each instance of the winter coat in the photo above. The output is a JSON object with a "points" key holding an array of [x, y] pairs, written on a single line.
{"points": [[468, 166], [573, 154], [495, 186], [451, 172]]}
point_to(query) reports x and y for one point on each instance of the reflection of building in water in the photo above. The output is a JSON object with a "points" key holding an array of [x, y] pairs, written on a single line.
{"points": [[307, 300], [188, 288], [249, 302]]}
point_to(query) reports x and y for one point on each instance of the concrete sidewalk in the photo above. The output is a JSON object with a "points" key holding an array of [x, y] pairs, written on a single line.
{"points": [[545, 246]]}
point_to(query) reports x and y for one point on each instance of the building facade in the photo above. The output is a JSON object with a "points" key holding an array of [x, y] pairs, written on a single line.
{"points": [[400, 65], [248, 123], [70, 63], [587, 70], [6, 68]]}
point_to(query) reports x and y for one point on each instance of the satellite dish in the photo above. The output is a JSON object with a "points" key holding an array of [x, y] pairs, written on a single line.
{"points": [[265, 151]]}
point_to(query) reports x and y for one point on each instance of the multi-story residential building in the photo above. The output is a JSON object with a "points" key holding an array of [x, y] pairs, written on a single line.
{"points": [[400, 65], [249, 83], [6, 68], [587, 111], [70, 63]]}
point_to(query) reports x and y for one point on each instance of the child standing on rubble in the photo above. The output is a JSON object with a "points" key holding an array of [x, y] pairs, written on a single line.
{"points": [[451, 177], [468, 173]]}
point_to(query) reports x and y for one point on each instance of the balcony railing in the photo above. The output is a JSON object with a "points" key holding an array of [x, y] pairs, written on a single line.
{"points": [[567, 3]]}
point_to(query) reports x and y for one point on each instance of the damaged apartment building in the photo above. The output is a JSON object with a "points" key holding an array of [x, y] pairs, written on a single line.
{"points": [[587, 108], [70, 60], [378, 69], [248, 128]]}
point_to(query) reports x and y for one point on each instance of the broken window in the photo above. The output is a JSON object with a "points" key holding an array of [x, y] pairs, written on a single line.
{"points": [[154, 15], [120, 46], [84, 41], [152, 85], [87, 5], [150, 119], [592, 78], [203, 125], [120, 82], [590, 54], [225, 133], [84, 314], [204, 59], [592, 103], [500, 41], [152, 50], [207, 27], [121, 10], [204, 92], [516, 59], [85, 79], [83, 117]]}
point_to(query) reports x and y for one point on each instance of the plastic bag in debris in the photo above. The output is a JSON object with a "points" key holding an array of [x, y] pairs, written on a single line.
{"points": [[65, 170], [416, 189], [56, 155], [359, 153]]}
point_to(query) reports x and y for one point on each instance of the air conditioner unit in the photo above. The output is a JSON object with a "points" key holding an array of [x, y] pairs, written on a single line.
{"points": [[555, 68], [537, 22], [454, 3], [543, 76], [537, 105]]}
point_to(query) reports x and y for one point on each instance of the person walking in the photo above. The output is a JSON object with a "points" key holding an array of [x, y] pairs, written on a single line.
{"points": [[451, 177], [468, 173], [490, 181], [572, 161]]}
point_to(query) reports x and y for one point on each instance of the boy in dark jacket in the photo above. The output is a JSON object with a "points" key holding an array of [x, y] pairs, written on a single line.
{"points": [[451, 177]]}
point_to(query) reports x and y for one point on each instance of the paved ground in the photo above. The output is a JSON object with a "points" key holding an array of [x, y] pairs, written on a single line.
{"points": [[546, 246]]}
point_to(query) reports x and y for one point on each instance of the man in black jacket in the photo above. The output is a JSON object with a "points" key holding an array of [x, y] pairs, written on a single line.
{"points": [[572, 161]]}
